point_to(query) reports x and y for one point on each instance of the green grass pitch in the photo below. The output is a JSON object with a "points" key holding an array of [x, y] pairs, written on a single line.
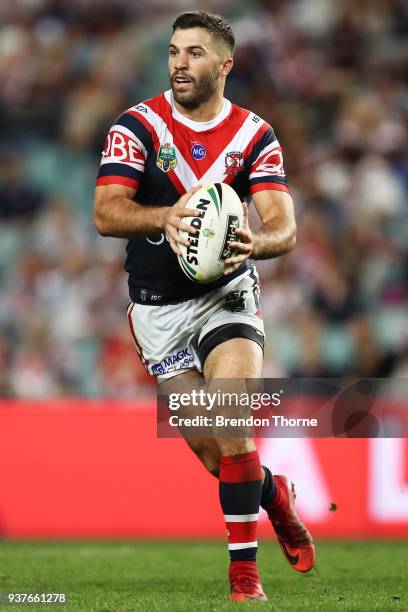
{"points": [[188, 576]]}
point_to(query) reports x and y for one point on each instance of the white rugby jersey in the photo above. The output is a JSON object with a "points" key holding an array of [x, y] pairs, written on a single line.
{"points": [[161, 154]]}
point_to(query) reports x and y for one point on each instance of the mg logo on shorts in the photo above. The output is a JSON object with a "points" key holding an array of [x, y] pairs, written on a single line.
{"points": [[177, 361]]}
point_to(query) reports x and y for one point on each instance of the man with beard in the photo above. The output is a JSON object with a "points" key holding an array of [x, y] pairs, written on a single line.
{"points": [[156, 154]]}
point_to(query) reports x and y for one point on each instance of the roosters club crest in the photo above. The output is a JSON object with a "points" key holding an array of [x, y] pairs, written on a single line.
{"points": [[166, 157], [234, 162]]}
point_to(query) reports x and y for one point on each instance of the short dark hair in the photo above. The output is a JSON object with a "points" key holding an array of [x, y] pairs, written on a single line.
{"points": [[217, 25]]}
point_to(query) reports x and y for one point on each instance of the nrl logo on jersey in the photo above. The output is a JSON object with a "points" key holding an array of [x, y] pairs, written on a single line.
{"points": [[166, 157], [234, 162]]}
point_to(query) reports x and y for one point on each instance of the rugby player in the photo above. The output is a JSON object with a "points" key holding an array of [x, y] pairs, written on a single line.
{"points": [[156, 154]]}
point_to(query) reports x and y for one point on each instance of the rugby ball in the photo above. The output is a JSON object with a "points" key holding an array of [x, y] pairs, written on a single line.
{"points": [[221, 213]]}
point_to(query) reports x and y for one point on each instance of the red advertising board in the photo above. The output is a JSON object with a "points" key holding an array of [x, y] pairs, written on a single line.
{"points": [[75, 468]]}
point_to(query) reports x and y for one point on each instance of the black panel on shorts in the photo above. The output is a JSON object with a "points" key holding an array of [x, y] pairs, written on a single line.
{"points": [[227, 332]]}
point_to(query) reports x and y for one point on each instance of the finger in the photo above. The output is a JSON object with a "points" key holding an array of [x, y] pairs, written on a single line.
{"points": [[245, 207], [237, 259], [242, 247], [235, 254], [174, 235], [187, 228], [188, 212], [231, 269], [177, 224], [190, 192], [185, 197], [246, 234], [174, 247], [181, 240], [194, 189]]}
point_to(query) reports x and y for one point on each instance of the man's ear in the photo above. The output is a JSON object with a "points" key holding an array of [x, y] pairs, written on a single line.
{"points": [[227, 66]]}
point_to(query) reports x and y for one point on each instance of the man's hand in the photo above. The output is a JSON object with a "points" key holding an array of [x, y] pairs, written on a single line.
{"points": [[242, 250], [172, 221]]}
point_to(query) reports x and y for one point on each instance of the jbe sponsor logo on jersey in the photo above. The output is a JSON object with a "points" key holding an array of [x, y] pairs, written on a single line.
{"points": [[121, 148], [177, 361]]}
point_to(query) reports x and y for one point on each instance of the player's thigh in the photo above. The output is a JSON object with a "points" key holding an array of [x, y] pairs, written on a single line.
{"points": [[181, 382], [226, 369], [238, 358], [163, 338], [230, 343]]}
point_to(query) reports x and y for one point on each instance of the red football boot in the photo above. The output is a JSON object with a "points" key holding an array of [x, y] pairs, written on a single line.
{"points": [[294, 539], [245, 582]]}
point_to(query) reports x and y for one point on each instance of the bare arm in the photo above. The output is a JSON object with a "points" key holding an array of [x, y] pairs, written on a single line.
{"points": [[276, 236], [117, 214]]}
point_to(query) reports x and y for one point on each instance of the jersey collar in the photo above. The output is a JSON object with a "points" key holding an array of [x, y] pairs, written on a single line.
{"points": [[198, 126]]}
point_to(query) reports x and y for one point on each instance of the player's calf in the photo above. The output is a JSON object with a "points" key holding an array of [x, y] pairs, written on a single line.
{"points": [[208, 452], [240, 485]]}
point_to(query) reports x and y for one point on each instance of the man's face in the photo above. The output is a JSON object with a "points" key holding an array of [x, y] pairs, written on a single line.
{"points": [[195, 66]]}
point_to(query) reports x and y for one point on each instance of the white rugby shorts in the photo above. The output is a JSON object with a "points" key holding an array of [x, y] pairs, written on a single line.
{"points": [[173, 338]]}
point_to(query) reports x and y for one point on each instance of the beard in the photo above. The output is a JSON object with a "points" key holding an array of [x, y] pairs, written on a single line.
{"points": [[200, 93]]}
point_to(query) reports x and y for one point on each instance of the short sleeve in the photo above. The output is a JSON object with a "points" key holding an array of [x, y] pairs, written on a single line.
{"points": [[124, 154], [266, 170]]}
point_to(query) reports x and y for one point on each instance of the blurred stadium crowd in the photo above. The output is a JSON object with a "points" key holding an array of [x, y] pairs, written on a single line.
{"points": [[332, 79]]}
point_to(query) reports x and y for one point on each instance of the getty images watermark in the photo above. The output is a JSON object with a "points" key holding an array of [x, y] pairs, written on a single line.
{"points": [[216, 401], [284, 408]]}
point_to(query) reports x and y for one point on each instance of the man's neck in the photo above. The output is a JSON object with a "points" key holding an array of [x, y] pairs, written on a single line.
{"points": [[205, 112]]}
